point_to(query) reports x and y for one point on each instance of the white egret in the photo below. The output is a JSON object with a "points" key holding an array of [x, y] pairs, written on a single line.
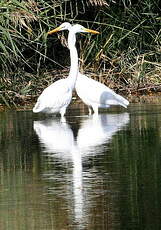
{"points": [[56, 97], [95, 94]]}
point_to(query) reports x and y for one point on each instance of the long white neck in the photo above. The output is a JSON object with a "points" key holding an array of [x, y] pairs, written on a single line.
{"points": [[73, 59]]}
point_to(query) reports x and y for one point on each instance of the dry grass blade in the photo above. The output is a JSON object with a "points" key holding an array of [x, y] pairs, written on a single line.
{"points": [[98, 2], [126, 53]]}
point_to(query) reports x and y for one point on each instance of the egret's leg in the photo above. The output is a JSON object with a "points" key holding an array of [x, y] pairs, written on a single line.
{"points": [[62, 113], [89, 111], [63, 119], [95, 109]]}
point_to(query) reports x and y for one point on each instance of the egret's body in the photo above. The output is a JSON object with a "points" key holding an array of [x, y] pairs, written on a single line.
{"points": [[96, 95], [56, 97]]}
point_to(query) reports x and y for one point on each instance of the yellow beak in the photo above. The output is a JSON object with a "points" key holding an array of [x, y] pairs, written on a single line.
{"points": [[91, 31], [54, 30], [85, 30]]}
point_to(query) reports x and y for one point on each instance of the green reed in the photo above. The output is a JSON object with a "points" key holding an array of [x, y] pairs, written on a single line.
{"points": [[126, 51]]}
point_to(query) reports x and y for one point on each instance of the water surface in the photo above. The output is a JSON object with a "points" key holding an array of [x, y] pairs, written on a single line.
{"points": [[88, 173]]}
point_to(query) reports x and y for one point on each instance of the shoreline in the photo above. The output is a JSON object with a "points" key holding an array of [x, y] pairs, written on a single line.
{"points": [[154, 98]]}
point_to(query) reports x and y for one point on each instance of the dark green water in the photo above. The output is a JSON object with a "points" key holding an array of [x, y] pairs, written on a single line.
{"points": [[89, 173]]}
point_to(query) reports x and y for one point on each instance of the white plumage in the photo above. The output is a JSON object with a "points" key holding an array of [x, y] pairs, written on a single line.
{"points": [[56, 97], [96, 95]]}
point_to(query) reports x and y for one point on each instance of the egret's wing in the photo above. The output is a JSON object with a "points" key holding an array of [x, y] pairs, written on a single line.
{"points": [[54, 96], [91, 89], [96, 92]]}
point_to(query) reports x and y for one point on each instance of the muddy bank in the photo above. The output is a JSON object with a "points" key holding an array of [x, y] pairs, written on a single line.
{"points": [[28, 103]]}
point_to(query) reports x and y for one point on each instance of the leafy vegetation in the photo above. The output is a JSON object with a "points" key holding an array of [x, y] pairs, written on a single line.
{"points": [[126, 55]]}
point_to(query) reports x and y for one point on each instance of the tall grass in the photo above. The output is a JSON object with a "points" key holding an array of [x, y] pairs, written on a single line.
{"points": [[127, 50], [130, 41]]}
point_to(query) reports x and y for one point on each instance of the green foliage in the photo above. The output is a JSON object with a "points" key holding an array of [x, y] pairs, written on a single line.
{"points": [[19, 39], [130, 36], [128, 47]]}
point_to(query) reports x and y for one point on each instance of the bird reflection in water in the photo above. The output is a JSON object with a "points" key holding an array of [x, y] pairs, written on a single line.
{"points": [[58, 140], [98, 130], [55, 136]]}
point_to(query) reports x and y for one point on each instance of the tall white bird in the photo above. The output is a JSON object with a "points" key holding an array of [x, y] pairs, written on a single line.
{"points": [[95, 94], [56, 97]]}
